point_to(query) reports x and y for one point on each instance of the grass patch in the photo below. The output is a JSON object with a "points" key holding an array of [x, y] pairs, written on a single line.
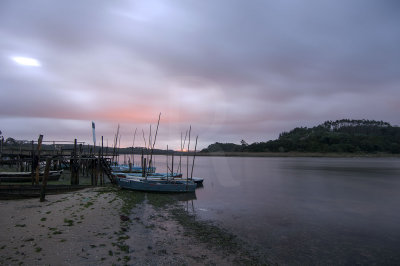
{"points": [[43, 219], [20, 225], [215, 236], [160, 200], [38, 249], [87, 204], [123, 238], [150, 226], [68, 222], [129, 199], [124, 248]]}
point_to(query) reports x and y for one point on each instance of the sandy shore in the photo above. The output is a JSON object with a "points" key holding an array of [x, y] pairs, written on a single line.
{"points": [[111, 227]]}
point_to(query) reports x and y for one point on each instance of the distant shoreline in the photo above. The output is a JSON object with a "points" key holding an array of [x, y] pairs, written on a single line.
{"points": [[276, 154], [297, 154]]}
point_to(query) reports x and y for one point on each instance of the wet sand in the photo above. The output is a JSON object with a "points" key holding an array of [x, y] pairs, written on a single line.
{"points": [[101, 227]]}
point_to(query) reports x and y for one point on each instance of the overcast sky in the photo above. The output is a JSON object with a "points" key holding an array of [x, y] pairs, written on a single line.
{"points": [[232, 69]]}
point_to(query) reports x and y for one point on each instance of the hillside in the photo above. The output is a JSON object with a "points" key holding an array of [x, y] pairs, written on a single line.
{"points": [[351, 136]]}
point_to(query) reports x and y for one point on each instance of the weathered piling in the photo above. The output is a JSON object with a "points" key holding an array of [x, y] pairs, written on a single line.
{"points": [[74, 166], [44, 180], [38, 158], [1, 146]]}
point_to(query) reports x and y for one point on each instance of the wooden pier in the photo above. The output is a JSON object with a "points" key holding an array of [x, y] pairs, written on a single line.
{"points": [[32, 158]]}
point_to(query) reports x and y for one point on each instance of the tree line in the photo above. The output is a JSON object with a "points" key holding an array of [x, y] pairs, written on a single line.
{"points": [[349, 136]]}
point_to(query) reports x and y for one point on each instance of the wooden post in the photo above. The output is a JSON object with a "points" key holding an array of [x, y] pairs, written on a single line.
{"points": [[98, 170], [74, 168], [81, 169], [21, 167], [54, 154], [44, 180], [1, 147], [91, 167], [32, 163], [38, 158]]}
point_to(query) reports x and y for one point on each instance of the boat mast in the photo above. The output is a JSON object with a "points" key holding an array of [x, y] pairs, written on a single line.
{"points": [[194, 156]]}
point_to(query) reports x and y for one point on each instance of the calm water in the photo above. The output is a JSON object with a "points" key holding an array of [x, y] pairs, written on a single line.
{"points": [[306, 210]]}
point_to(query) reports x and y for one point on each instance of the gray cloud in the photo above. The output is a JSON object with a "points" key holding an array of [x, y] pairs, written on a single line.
{"points": [[233, 69]]}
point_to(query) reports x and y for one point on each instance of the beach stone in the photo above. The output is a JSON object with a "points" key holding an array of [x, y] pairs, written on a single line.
{"points": [[124, 218]]}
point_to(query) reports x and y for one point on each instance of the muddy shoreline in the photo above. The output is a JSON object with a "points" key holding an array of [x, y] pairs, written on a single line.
{"points": [[109, 226]]}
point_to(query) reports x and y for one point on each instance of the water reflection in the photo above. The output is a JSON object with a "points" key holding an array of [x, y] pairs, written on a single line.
{"points": [[300, 211]]}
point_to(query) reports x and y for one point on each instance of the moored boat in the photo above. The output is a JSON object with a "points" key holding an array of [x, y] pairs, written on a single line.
{"points": [[133, 169], [151, 185], [27, 176], [161, 176]]}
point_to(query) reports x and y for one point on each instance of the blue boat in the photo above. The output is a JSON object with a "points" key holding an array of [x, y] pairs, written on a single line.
{"points": [[155, 185], [134, 169], [160, 176]]}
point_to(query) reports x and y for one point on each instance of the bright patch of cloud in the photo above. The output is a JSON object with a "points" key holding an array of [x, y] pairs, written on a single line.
{"points": [[26, 61]]}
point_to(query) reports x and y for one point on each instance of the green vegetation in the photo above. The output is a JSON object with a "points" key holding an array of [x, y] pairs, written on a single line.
{"points": [[215, 236], [88, 204], [341, 136], [68, 222], [20, 225]]}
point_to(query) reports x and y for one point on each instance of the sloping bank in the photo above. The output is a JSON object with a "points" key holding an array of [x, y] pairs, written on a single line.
{"points": [[109, 226], [156, 229]]}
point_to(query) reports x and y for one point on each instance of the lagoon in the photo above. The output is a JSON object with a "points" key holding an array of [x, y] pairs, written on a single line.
{"points": [[298, 211]]}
